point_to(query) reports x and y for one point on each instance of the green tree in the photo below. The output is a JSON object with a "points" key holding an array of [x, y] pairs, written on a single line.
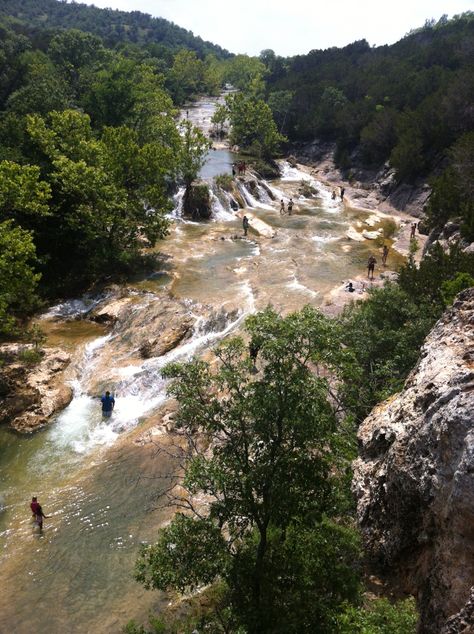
{"points": [[186, 77], [385, 334], [194, 148], [213, 75], [43, 88], [24, 198], [379, 136], [111, 93], [18, 280], [243, 71], [450, 288], [423, 283], [219, 119], [332, 102], [109, 195], [73, 49], [272, 485], [280, 104], [453, 191], [253, 127]]}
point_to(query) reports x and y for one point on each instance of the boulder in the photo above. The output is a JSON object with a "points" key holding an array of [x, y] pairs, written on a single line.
{"points": [[463, 621], [169, 338], [414, 478], [110, 311], [33, 393], [197, 202]]}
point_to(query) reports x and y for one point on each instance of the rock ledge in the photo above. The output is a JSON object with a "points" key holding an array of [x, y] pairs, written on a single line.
{"points": [[414, 479]]}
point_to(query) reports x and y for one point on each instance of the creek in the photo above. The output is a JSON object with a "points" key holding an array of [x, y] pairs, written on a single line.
{"points": [[97, 484]]}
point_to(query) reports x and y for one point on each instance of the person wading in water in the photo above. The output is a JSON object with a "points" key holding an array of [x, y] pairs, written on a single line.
{"points": [[37, 511], [108, 404]]}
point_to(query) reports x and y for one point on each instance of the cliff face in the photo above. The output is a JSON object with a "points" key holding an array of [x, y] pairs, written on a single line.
{"points": [[414, 479], [29, 396]]}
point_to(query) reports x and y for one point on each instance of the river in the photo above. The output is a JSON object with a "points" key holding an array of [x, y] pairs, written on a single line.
{"points": [[99, 486]]}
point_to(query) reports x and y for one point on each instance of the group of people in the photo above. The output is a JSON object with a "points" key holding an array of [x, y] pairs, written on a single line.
{"points": [[289, 207], [239, 168], [341, 193], [283, 210], [372, 261]]}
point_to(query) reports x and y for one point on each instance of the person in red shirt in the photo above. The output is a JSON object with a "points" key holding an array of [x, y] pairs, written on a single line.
{"points": [[37, 511]]}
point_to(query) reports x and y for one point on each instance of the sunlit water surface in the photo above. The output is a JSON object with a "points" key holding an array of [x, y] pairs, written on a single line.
{"points": [[98, 486]]}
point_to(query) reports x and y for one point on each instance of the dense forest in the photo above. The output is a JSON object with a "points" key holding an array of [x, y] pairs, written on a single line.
{"points": [[113, 26], [90, 154]]}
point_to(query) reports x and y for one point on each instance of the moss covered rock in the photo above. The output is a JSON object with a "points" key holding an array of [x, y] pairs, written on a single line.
{"points": [[197, 202]]}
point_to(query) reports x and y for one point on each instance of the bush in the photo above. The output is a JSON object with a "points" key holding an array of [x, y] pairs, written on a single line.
{"points": [[266, 169], [450, 288], [30, 356], [380, 617], [385, 334], [423, 283], [224, 181]]}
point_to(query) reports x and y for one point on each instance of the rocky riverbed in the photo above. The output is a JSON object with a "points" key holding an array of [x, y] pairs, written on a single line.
{"points": [[99, 479]]}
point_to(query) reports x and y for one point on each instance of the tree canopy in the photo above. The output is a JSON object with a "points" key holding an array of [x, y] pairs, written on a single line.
{"points": [[273, 486]]}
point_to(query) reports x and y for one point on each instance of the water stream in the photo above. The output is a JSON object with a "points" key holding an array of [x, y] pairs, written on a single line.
{"points": [[98, 486]]}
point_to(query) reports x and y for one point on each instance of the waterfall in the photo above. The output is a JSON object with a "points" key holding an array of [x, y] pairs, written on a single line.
{"points": [[249, 198], [177, 211], [140, 390], [219, 212]]}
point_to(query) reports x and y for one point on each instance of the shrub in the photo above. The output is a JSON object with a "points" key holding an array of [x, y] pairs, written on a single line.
{"points": [[30, 356], [224, 181]]}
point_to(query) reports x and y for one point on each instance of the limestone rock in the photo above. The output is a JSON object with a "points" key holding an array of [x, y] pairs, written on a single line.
{"points": [[170, 336], [110, 311], [414, 479], [463, 621], [33, 394]]}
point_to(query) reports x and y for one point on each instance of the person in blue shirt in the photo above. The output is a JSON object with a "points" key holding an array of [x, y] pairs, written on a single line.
{"points": [[108, 404]]}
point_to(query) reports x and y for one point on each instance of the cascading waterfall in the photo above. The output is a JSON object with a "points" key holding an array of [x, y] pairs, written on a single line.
{"points": [[81, 427], [219, 212], [177, 211], [250, 199]]}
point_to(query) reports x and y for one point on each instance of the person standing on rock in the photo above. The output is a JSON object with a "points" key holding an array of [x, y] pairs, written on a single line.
{"points": [[282, 207], [37, 511], [384, 254], [290, 206], [108, 404], [413, 231], [245, 224], [342, 193], [370, 267]]}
